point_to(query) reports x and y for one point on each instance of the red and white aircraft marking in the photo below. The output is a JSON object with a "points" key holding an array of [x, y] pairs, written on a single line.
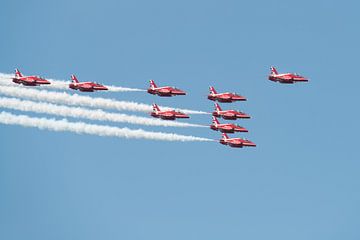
{"points": [[226, 127], [236, 142], [167, 115], [85, 86], [28, 80], [228, 114], [285, 77], [224, 97], [164, 91]]}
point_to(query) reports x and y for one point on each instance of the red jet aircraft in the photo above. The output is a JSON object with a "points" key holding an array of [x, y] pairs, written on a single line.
{"points": [[224, 97], [85, 86], [28, 80], [226, 127], [228, 114], [285, 77], [236, 142], [167, 115], [164, 91]]}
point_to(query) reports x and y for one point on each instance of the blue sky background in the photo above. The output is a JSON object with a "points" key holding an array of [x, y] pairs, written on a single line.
{"points": [[300, 182]]}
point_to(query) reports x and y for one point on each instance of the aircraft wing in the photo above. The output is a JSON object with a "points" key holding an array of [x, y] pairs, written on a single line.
{"points": [[235, 144], [229, 114], [86, 86], [286, 77], [167, 114], [164, 91], [226, 128], [225, 96], [27, 80]]}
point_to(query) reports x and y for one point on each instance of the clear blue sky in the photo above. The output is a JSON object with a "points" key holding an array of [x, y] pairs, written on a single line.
{"points": [[301, 182]]}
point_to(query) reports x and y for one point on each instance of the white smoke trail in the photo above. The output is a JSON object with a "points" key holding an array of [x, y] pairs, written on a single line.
{"points": [[93, 129], [5, 79], [77, 100], [64, 85], [77, 112], [123, 89]]}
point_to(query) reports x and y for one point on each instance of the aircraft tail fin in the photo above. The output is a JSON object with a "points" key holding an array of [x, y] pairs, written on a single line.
{"points": [[152, 84], [273, 70], [74, 79], [225, 136], [217, 107], [155, 107], [18, 73], [214, 120], [212, 90]]}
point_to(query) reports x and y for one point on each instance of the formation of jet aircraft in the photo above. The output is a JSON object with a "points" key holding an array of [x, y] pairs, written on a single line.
{"points": [[228, 115], [75, 84], [167, 91]]}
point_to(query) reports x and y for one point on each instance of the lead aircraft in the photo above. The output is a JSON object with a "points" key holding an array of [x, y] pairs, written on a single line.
{"points": [[236, 142], [85, 86], [167, 114], [28, 80], [285, 77]]}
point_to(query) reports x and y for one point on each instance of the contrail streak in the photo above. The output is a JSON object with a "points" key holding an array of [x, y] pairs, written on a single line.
{"points": [[77, 100], [77, 112], [64, 85], [93, 129]]}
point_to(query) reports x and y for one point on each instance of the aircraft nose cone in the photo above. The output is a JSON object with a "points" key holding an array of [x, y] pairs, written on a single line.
{"points": [[250, 144], [244, 115]]}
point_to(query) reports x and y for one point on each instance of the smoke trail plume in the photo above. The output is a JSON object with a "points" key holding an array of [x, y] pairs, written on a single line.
{"points": [[123, 89], [77, 100], [93, 129], [77, 112], [64, 85]]}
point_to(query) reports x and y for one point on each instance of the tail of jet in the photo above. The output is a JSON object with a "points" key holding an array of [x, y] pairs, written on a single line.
{"points": [[225, 136], [212, 90], [152, 84], [217, 107], [214, 120], [273, 70], [74, 79], [18, 73], [155, 107]]}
